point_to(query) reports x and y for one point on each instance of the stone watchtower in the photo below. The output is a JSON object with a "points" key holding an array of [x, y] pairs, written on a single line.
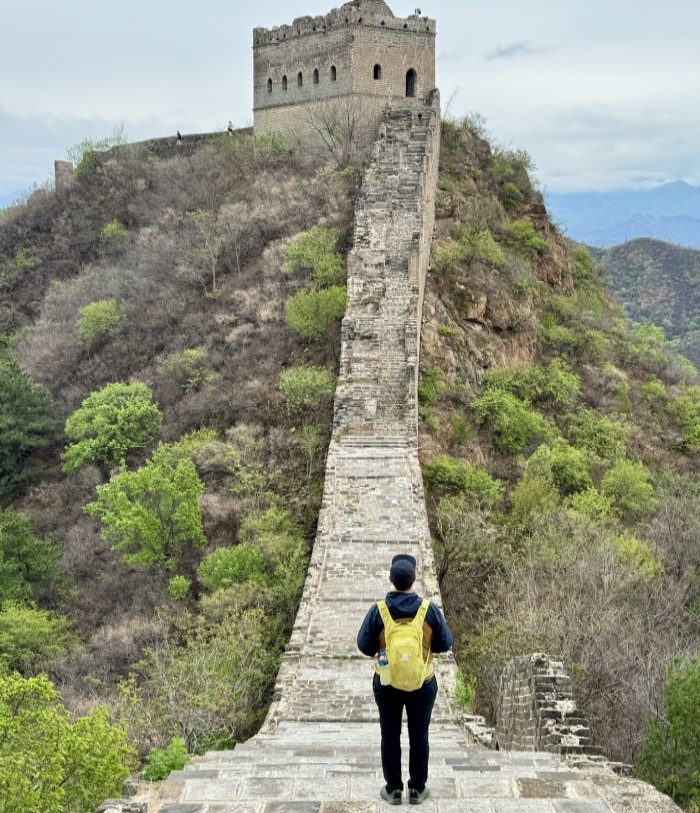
{"points": [[356, 61]]}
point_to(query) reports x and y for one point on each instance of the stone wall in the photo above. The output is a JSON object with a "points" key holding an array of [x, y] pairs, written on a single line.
{"points": [[536, 709]]}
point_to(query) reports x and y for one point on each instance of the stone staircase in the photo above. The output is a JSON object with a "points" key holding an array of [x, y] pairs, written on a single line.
{"points": [[318, 751]]}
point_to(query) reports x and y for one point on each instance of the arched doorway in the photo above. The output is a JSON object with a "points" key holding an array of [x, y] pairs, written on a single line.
{"points": [[411, 83]]}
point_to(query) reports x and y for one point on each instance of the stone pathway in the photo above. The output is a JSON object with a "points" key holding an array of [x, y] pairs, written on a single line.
{"points": [[318, 751]]}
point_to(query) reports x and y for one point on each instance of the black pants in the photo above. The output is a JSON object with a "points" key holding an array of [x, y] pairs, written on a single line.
{"points": [[419, 707]]}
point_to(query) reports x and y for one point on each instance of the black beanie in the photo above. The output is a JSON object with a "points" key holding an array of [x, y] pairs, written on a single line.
{"points": [[403, 571]]}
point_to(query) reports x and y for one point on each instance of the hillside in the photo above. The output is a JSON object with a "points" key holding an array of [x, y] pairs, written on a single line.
{"points": [[668, 212], [560, 443], [658, 283], [559, 453], [154, 293]]}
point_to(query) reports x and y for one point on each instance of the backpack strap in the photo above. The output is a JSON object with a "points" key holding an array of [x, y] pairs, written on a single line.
{"points": [[387, 620]]}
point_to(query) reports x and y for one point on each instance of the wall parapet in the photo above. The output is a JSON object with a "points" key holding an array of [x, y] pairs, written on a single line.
{"points": [[536, 709]]}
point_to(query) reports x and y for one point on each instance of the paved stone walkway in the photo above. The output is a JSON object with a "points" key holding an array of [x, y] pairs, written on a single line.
{"points": [[318, 751]]}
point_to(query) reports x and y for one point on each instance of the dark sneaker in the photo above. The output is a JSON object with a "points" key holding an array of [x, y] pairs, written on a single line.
{"points": [[391, 796], [417, 797]]}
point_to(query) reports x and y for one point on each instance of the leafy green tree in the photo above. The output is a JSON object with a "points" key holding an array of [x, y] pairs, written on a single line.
{"points": [[28, 566], [111, 422], [29, 637], [315, 250], [152, 514], [670, 755], [227, 566], [311, 313], [50, 764], [627, 485], [304, 387], [179, 588], [26, 423], [97, 322], [458, 476]]}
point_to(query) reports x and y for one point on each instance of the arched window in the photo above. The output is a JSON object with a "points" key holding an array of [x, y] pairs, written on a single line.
{"points": [[269, 85], [284, 83], [411, 82], [316, 76], [300, 79], [377, 71], [334, 73]]}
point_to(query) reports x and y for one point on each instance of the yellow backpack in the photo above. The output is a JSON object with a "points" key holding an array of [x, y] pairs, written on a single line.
{"points": [[404, 648]]}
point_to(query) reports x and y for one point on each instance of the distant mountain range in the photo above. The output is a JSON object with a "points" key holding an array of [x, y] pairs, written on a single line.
{"points": [[660, 283], [670, 212]]}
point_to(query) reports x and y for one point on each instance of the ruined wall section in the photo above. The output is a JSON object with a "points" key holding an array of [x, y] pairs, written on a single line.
{"points": [[536, 709]]}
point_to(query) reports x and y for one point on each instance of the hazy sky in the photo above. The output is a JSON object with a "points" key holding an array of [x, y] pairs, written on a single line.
{"points": [[602, 93]]}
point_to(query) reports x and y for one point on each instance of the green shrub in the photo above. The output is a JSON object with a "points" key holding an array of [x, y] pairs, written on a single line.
{"points": [[311, 313], [111, 422], [29, 637], [563, 464], [465, 690], [97, 322], [189, 369], [670, 753], [533, 497], [627, 484], [432, 385], [686, 409], [51, 761], [524, 238], [276, 535], [458, 476], [469, 245], [315, 250], [638, 555], [511, 420], [115, 236], [227, 566], [305, 387], [536, 383], [655, 394], [179, 588], [462, 430], [162, 761], [446, 330], [581, 266], [599, 436], [594, 505]]}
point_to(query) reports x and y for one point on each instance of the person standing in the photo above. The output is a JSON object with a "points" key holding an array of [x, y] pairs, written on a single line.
{"points": [[402, 606]]}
